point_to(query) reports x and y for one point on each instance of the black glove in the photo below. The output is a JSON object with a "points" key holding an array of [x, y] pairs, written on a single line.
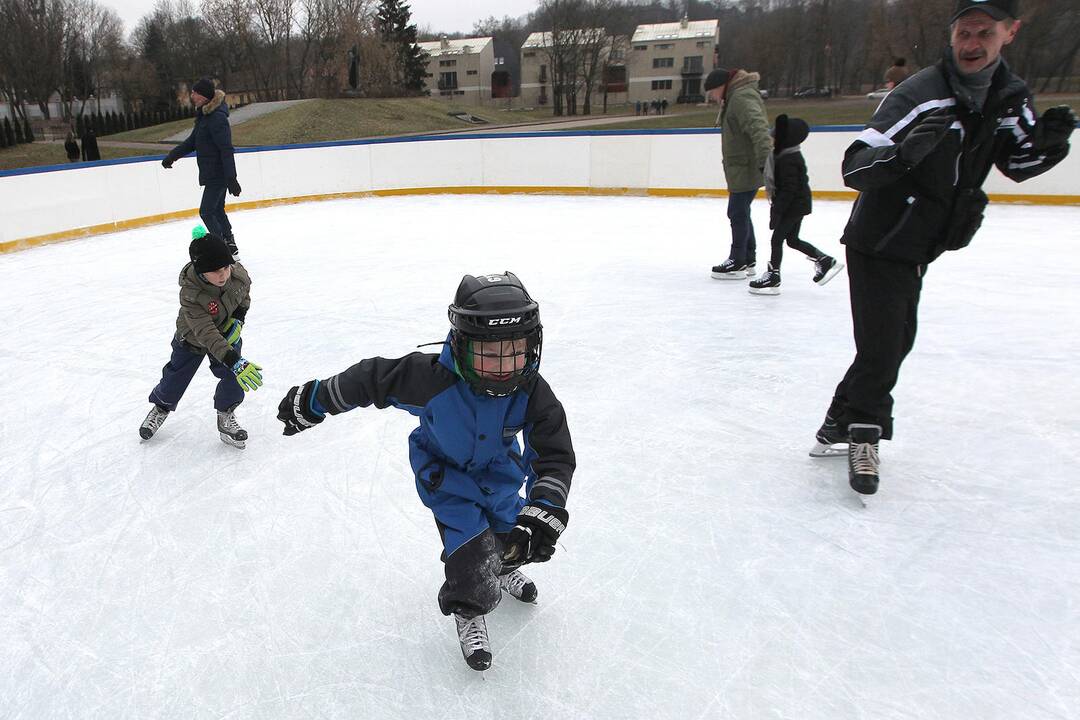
{"points": [[1054, 127], [167, 162], [925, 136], [533, 537], [297, 409], [234, 187]]}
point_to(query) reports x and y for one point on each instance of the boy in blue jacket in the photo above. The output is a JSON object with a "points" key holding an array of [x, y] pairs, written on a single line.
{"points": [[472, 399]]}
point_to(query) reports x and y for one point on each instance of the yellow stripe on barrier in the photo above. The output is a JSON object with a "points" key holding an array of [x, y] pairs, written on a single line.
{"points": [[120, 225]]}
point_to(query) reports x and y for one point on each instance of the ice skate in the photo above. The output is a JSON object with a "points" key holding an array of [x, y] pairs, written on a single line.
{"points": [[826, 268], [154, 419], [518, 586], [864, 462], [230, 242], [829, 436], [229, 429], [473, 636], [729, 270], [767, 284]]}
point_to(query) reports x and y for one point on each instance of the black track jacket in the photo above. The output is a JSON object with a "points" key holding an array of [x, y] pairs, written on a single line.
{"points": [[902, 212]]}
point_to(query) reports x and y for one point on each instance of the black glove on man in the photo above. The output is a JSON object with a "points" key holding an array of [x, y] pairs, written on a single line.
{"points": [[234, 187], [296, 411], [1054, 127], [167, 162], [535, 534], [924, 137]]}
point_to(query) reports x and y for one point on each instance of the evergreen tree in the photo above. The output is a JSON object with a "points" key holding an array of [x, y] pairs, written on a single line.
{"points": [[392, 22]]}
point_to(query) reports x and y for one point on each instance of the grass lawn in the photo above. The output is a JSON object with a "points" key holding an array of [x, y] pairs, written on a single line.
{"points": [[41, 153], [840, 111], [154, 133], [321, 120]]}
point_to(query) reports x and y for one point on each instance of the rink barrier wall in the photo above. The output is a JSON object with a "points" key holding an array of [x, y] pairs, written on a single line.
{"points": [[49, 204]]}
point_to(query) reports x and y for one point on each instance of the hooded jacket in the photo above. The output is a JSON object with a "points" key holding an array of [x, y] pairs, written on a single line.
{"points": [[904, 212], [745, 140], [211, 139], [790, 190], [205, 310]]}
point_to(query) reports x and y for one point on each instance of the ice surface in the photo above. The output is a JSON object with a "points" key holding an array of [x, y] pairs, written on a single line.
{"points": [[710, 569]]}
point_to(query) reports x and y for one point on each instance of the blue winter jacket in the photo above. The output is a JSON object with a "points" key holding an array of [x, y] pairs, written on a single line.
{"points": [[211, 139], [465, 454]]}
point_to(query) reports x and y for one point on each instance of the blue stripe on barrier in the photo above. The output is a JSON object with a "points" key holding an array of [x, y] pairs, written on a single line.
{"points": [[411, 139]]}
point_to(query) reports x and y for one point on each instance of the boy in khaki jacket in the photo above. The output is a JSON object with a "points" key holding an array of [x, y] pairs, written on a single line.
{"points": [[214, 300]]}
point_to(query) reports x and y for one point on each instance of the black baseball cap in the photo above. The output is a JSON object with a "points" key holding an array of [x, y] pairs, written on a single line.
{"points": [[997, 9]]}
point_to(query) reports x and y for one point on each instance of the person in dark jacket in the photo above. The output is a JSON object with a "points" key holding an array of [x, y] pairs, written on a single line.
{"points": [[919, 166], [215, 294], [211, 139], [90, 150], [473, 399], [787, 186], [71, 147]]}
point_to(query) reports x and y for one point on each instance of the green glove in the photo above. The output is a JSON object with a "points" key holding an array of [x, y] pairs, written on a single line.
{"points": [[248, 375], [232, 331]]}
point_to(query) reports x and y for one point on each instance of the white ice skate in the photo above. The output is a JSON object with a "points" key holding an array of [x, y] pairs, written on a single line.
{"points": [[154, 419], [473, 636], [519, 586], [229, 429]]}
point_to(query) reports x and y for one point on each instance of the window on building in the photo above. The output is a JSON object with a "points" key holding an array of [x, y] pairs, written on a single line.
{"points": [[447, 63], [447, 80], [661, 84], [470, 72], [665, 46], [693, 64], [500, 61], [543, 74], [528, 54], [663, 62], [641, 47]]}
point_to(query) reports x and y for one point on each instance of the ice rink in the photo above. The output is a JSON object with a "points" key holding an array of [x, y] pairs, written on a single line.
{"points": [[710, 568]]}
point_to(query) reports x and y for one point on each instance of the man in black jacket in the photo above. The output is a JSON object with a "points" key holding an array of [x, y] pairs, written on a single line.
{"points": [[919, 167], [211, 139]]}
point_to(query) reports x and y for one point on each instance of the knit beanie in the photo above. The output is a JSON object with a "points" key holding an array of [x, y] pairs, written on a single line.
{"points": [[204, 86], [717, 78], [208, 252]]}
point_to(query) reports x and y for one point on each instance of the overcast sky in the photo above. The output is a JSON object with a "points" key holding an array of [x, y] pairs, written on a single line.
{"points": [[439, 15]]}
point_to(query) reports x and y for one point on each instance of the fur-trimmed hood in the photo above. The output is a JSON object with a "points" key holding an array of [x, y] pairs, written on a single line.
{"points": [[215, 102]]}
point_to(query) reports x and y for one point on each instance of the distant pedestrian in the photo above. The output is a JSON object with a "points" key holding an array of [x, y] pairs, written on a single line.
{"points": [[90, 150], [637, 107], [71, 147], [663, 106], [897, 74]]}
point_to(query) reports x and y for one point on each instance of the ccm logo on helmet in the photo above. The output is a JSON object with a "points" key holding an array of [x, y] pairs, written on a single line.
{"points": [[504, 321]]}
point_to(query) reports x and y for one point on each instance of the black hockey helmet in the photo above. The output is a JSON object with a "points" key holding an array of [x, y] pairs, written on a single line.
{"points": [[496, 336]]}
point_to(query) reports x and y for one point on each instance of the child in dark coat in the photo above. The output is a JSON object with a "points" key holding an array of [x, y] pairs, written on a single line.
{"points": [[788, 188], [472, 400]]}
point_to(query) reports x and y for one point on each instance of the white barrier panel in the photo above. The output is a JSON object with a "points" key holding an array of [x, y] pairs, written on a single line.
{"points": [[41, 206]]}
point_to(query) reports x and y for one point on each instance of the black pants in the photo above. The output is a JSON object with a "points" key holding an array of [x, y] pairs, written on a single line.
{"points": [[212, 211], [884, 314], [787, 230], [472, 576]]}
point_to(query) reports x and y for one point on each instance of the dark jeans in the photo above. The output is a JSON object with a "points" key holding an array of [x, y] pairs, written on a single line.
{"points": [[177, 375], [212, 211], [788, 231], [884, 314], [743, 242]]}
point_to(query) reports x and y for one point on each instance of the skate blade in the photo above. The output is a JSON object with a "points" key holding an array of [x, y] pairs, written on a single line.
{"points": [[832, 273], [737, 275], [821, 450], [765, 291], [238, 444]]}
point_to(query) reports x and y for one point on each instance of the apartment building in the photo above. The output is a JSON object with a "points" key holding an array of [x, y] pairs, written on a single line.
{"points": [[669, 61], [536, 79], [463, 70]]}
